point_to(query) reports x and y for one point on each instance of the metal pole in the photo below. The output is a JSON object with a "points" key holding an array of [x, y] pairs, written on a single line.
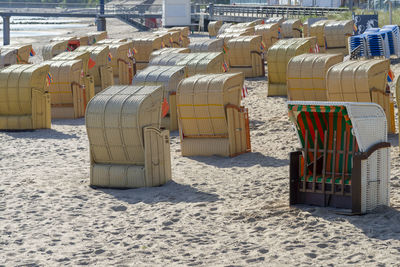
{"points": [[6, 30], [101, 20]]}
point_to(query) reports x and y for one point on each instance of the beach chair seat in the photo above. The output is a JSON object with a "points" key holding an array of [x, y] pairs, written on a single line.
{"points": [[128, 149], [344, 159], [211, 120]]}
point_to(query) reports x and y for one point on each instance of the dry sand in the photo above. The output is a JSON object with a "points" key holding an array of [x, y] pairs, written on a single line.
{"points": [[215, 212]]}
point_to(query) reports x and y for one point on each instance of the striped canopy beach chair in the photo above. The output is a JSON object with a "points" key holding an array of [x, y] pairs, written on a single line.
{"points": [[344, 158]]}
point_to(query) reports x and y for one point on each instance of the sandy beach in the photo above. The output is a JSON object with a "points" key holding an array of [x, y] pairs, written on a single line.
{"points": [[216, 211]]}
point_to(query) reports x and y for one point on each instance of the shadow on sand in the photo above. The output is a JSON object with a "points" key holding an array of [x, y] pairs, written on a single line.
{"points": [[40, 134], [171, 192], [383, 223], [243, 160]]}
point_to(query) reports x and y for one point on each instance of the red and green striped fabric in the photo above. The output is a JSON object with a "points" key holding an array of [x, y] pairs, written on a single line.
{"points": [[331, 119]]}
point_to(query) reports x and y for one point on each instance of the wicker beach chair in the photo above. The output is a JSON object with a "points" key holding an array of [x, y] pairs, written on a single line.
{"points": [[102, 71], [196, 63], [68, 95], [88, 80], [278, 57], [269, 33], [24, 97], [53, 49], [121, 61], [207, 45], [184, 35], [213, 27], [127, 147], [337, 34], [211, 120], [169, 77], [23, 52], [362, 81], [245, 54], [306, 76], [144, 47], [317, 30], [94, 37], [344, 160], [291, 28]]}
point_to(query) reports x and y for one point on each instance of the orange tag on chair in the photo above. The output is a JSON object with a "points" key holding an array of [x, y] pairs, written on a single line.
{"points": [[91, 63], [164, 108]]}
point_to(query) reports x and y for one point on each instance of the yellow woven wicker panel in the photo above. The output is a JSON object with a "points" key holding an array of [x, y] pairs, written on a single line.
{"points": [[278, 57], [53, 49], [115, 119], [169, 77], [306, 76], [269, 33], [226, 36], [353, 81], [145, 46], [170, 38], [8, 57], [213, 27], [107, 79], [317, 29], [201, 101], [244, 30], [23, 52], [63, 38], [100, 55], [169, 50], [118, 176], [237, 132], [184, 30], [75, 55], [207, 45], [338, 32], [196, 63], [291, 28], [384, 100], [89, 87], [245, 53]]}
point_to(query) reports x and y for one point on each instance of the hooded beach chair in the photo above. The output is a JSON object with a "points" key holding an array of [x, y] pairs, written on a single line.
{"points": [[269, 33], [127, 147], [184, 35], [344, 160], [213, 27], [278, 57], [24, 97], [121, 61], [211, 119], [94, 37], [196, 63], [68, 95], [52, 49], [317, 29], [23, 52], [291, 28], [169, 77], [306, 76], [362, 81], [101, 69], [337, 34], [245, 54], [88, 80], [206, 45], [144, 46]]}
